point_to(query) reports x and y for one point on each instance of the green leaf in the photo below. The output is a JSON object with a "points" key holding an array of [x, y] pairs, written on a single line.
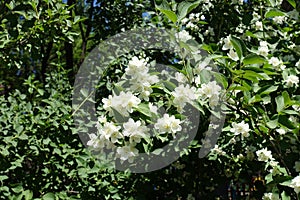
{"points": [[76, 19], [144, 109], [22, 13], [252, 76], [40, 91], [286, 97], [267, 89], [165, 9], [28, 106], [253, 59], [291, 112], [28, 194], [286, 183], [49, 196], [285, 196], [269, 178], [170, 15], [23, 137], [283, 120], [272, 2], [185, 7], [84, 92], [119, 117], [221, 79], [250, 34], [274, 13], [236, 43], [4, 177], [19, 128], [157, 151], [11, 5], [293, 3], [18, 189], [279, 103], [189, 71], [169, 85]]}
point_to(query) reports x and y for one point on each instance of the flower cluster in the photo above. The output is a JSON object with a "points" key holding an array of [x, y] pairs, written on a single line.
{"points": [[228, 46], [210, 91], [141, 80], [240, 129], [123, 103], [134, 96], [264, 155]]}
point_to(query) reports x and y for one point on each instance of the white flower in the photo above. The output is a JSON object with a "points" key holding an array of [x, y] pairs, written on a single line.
{"points": [[203, 65], [296, 184], [214, 100], [240, 129], [142, 83], [264, 155], [115, 136], [168, 124], [263, 51], [123, 103], [127, 152], [209, 31], [227, 43], [259, 25], [263, 48], [111, 131], [233, 55], [297, 166], [210, 89], [102, 119], [191, 26], [281, 131], [182, 95], [183, 36], [202, 17], [136, 66], [140, 80], [271, 196], [134, 130], [184, 20], [296, 108], [180, 77], [294, 120], [94, 141], [291, 80], [107, 103], [191, 16], [263, 43], [278, 64], [153, 108], [279, 19]]}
